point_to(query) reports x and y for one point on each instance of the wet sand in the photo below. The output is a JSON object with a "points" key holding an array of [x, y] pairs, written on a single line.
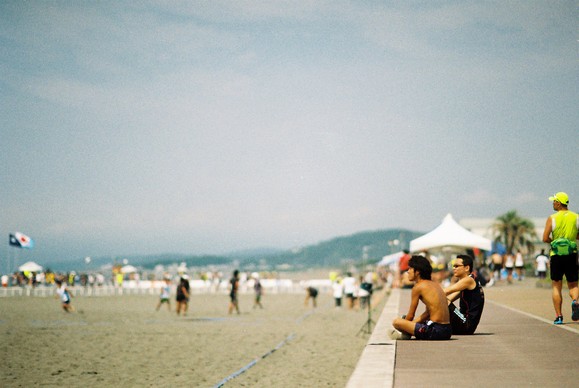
{"points": [[123, 341]]}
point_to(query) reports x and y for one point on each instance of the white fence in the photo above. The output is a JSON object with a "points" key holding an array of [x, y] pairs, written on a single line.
{"points": [[197, 287]]}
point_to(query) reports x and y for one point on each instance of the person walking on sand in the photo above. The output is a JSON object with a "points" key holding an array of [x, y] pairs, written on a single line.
{"points": [[338, 292], [561, 233], [64, 295], [349, 283], [258, 289], [182, 295], [465, 318], [233, 290], [165, 294], [434, 323]]}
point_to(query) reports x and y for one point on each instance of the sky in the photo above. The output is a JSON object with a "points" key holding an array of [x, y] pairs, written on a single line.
{"points": [[205, 127]]}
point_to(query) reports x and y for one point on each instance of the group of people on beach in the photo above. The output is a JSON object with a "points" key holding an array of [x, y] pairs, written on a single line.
{"points": [[442, 318], [357, 292], [181, 295]]}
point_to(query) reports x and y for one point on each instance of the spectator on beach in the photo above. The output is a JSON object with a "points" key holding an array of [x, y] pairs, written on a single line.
{"points": [[465, 318], [541, 264], [64, 295], [119, 277], [338, 291], [258, 290], [350, 289], [519, 265], [165, 294], [364, 293], [311, 293], [182, 295], [403, 268], [233, 291], [434, 323], [509, 265], [561, 233]]}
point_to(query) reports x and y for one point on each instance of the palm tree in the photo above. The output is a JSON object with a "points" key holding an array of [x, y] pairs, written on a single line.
{"points": [[515, 232]]}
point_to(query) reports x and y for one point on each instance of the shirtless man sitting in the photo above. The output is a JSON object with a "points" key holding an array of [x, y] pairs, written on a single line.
{"points": [[434, 323]]}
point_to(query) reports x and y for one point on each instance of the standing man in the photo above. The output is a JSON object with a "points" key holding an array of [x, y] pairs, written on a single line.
{"points": [[434, 323], [561, 233], [258, 288], [541, 263], [182, 295], [465, 318], [233, 290], [403, 268], [349, 289]]}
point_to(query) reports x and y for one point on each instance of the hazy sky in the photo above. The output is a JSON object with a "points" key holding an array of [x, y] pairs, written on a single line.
{"points": [[134, 127]]}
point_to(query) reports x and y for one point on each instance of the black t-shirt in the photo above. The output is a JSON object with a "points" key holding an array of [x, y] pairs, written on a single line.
{"points": [[472, 303]]}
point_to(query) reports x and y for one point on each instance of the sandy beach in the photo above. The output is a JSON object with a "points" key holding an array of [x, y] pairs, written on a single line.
{"points": [[123, 341]]}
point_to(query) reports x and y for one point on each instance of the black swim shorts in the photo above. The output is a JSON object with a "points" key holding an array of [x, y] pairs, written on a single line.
{"points": [[432, 331]]}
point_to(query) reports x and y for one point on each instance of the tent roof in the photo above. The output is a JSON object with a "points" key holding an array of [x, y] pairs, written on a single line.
{"points": [[128, 269], [450, 234], [30, 266]]}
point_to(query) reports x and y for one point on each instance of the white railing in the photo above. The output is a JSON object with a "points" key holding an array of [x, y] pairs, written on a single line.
{"points": [[146, 287]]}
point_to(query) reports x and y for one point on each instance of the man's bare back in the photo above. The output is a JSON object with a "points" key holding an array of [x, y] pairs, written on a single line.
{"points": [[434, 298]]}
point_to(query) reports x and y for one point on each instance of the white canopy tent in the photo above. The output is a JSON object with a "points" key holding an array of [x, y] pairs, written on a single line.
{"points": [[30, 266], [450, 234]]}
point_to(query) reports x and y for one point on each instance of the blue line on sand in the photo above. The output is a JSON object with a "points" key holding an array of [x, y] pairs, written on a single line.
{"points": [[253, 362]]}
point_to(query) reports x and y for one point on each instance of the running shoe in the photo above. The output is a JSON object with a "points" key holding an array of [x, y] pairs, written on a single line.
{"points": [[575, 310], [397, 335], [558, 320]]}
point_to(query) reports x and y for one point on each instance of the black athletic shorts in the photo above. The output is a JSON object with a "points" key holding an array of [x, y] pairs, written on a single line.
{"points": [[564, 265], [432, 331]]}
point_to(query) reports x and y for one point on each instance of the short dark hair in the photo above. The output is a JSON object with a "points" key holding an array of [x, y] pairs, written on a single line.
{"points": [[467, 260], [422, 265]]}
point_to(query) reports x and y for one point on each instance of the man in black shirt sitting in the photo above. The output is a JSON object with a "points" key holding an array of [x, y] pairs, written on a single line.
{"points": [[465, 318]]}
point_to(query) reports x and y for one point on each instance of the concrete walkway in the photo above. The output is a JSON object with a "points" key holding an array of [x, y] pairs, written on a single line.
{"points": [[511, 348]]}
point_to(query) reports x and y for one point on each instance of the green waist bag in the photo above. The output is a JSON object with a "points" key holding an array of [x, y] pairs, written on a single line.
{"points": [[563, 246]]}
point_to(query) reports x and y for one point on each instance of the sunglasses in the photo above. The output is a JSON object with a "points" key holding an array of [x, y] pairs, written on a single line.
{"points": [[458, 265]]}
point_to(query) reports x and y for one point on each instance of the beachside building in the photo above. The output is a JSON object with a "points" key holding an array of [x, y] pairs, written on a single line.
{"points": [[482, 227]]}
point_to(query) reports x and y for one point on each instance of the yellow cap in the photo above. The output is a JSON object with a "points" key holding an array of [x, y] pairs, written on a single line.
{"points": [[561, 197]]}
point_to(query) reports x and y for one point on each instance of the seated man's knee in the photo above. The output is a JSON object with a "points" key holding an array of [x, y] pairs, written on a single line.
{"points": [[397, 323]]}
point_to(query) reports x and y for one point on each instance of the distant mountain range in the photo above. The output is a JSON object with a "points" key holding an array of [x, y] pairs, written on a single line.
{"points": [[340, 252]]}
